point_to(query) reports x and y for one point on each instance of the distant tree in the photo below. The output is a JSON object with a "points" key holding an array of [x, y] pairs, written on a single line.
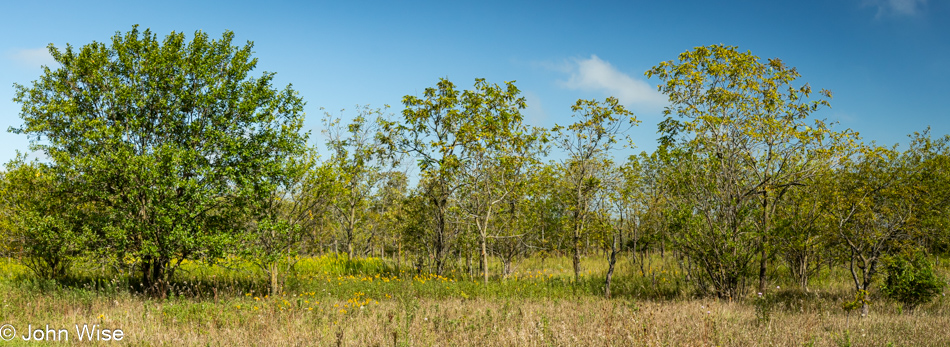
{"points": [[298, 203], [869, 213], [495, 171], [443, 131], [173, 139], [588, 142], [932, 157], [387, 208], [652, 172], [416, 226], [617, 209], [359, 159], [801, 227], [541, 218], [879, 207], [517, 226]]}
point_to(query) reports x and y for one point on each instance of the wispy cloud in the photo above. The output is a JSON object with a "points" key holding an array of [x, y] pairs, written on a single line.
{"points": [[32, 58], [594, 74], [535, 113], [897, 7]]}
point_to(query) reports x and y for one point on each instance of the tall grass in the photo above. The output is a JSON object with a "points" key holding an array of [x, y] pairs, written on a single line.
{"points": [[334, 300]]}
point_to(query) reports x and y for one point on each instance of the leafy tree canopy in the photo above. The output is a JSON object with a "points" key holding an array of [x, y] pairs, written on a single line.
{"points": [[170, 137]]}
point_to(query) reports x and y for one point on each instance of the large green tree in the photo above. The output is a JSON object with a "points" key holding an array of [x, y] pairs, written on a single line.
{"points": [[748, 127], [172, 138]]}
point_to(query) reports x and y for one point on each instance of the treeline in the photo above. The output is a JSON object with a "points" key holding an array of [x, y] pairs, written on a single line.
{"points": [[164, 151]]}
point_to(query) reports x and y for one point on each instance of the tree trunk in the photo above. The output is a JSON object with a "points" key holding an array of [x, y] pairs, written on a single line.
{"points": [[576, 243], [274, 282], [610, 266], [153, 277], [484, 258], [577, 257], [483, 233], [854, 276], [762, 266], [763, 239], [350, 228], [398, 258], [468, 263], [804, 272], [506, 266], [440, 237]]}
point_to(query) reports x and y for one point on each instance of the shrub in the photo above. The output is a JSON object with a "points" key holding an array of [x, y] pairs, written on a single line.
{"points": [[35, 226], [910, 279]]}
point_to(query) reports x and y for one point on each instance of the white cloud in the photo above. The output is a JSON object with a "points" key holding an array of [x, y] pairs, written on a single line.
{"points": [[33, 58], [534, 113], [897, 7], [594, 74]]}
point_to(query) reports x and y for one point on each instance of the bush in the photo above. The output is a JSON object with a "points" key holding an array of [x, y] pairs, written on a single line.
{"points": [[35, 225], [910, 279]]}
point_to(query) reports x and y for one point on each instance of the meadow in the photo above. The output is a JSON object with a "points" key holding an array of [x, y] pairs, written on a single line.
{"points": [[331, 300]]}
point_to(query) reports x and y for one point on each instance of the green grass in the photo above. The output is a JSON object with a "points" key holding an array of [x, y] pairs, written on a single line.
{"points": [[330, 299]]}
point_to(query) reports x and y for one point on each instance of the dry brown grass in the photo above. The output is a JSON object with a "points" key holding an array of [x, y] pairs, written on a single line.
{"points": [[533, 307], [455, 322]]}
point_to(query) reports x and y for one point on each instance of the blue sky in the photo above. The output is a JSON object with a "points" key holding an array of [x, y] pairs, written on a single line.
{"points": [[885, 60]]}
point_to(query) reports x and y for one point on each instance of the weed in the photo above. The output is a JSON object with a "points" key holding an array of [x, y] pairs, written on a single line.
{"points": [[764, 303]]}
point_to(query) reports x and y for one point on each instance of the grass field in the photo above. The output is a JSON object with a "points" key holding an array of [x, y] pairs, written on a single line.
{"points": [[367, 302]]}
